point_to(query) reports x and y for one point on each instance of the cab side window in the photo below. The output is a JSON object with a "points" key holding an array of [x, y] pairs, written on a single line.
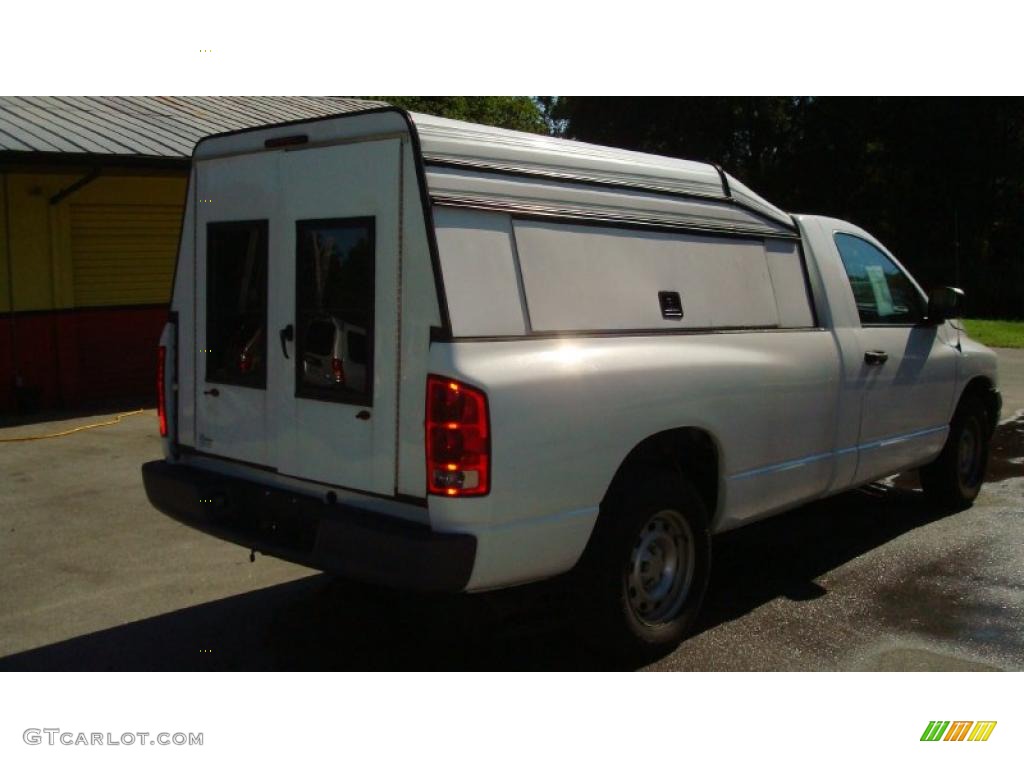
{"points": [[883, 292]]}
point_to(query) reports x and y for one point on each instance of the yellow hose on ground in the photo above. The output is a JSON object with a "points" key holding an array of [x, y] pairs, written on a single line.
{"points": [[115, 420]]}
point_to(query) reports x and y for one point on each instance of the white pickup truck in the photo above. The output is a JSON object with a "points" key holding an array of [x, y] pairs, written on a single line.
{"points": [[556, 357]]}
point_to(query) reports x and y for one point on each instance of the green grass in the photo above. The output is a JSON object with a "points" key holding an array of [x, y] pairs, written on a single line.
{"points": [[997, 333]]}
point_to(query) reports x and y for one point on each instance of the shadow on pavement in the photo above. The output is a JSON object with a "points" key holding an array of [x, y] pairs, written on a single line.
{"points": [[104, 407], [322, 623]]}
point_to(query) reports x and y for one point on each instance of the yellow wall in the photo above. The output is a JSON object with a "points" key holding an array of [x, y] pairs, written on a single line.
{"points": [[5, 304], [38, 240]]}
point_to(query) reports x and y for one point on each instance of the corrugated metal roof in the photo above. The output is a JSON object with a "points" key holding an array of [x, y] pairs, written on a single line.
{"points": [[147, 126]]}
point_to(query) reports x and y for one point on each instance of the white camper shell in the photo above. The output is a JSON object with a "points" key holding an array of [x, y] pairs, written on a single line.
{"points": [[525, 326]]}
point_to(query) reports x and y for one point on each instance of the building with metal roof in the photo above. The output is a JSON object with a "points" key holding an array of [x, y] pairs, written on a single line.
{"points": [[92, 192], [140, 127]]}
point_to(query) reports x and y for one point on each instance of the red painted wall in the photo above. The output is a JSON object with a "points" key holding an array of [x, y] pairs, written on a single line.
{"points": [[6, 369], [69, 358]]}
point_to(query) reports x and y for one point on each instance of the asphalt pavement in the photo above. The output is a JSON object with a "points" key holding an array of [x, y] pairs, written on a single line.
{"points": [[94, 578]]}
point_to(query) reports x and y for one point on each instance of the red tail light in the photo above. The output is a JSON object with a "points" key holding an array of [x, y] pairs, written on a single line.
{"points": [[338, 370], [458, 439], [161, 392]]}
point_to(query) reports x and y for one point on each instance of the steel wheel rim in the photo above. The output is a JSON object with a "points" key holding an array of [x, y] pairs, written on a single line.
{"points": [[969, 455], [661, 566]]}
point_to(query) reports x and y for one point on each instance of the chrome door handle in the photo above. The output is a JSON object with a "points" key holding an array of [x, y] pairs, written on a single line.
{"points": [[212, 392], [875, 357]]}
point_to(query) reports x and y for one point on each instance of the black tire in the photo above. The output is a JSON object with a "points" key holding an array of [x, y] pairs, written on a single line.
{"points": [[653, 507], [952, 481]]}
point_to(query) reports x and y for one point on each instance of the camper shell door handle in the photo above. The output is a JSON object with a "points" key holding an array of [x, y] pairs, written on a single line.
{"points": [[287, 334]]}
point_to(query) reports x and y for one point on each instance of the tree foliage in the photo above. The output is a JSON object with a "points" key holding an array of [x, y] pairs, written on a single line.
{"points": [[939, 180], [520, 113]]}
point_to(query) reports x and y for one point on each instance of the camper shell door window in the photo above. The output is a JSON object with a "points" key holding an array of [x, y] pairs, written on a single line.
{"points": [[236, 303], [334, 290]]}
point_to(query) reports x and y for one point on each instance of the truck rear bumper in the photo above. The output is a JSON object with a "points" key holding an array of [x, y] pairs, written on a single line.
{"points": [[338, 538]]}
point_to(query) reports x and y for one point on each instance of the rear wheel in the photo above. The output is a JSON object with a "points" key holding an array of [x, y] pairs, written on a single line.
{"points": [[954, 479], [648, 564]]}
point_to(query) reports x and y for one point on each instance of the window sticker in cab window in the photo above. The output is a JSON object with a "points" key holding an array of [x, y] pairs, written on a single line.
{"points": [[880, 287]]}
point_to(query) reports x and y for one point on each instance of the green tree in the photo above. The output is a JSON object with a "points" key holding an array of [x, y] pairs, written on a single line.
{"points": [[520, 113]]}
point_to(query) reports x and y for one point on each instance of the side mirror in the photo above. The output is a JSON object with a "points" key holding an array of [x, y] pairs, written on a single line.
{"points": [[944, 303]]}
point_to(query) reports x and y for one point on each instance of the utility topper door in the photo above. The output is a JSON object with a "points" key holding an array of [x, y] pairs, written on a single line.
{"points": [[236, 203], [334, 318]]}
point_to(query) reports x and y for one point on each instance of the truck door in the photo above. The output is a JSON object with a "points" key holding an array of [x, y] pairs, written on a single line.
{"points": [[907, 375], [334, 319]]}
